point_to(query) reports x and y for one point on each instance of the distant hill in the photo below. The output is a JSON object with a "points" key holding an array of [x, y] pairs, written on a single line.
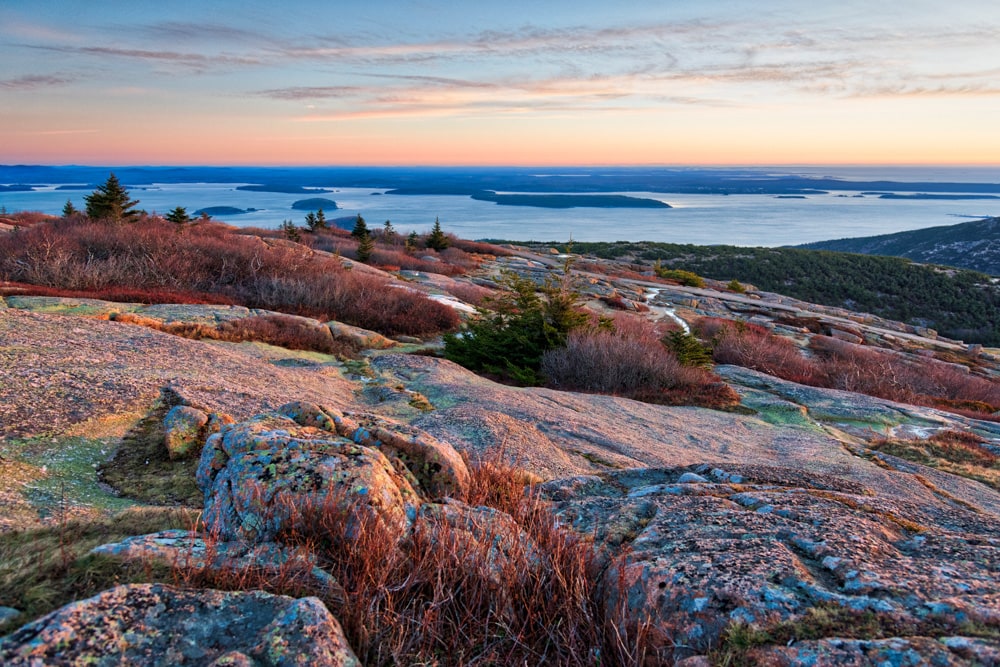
{"points": [[969, 245]]}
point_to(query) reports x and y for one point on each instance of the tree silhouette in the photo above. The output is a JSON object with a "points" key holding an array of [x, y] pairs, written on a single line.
{"points": [[68, 209], [178, 215], [360, 230], [437, 240], [110, 201]]}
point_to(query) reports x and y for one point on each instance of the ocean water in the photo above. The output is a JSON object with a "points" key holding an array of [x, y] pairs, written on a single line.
{"points": [[748, 220]]}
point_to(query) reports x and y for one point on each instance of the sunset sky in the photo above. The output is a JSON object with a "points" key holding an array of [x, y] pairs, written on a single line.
{"points": [[115, 82]]}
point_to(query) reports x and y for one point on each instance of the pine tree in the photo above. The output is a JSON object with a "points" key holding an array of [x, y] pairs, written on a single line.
{"points": [[360, 228], [311, 221], [110, 201], [178, 215], [291, 231], [321, 220], [388, 232], [365, 248], [411, 243], [437, 240], [68, 209]]}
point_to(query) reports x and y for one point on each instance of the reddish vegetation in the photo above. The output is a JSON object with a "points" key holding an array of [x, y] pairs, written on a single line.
{"points": [[284, 331], [156, 257], [838, 364], [632, 362], [471, 294], [442, 599]]}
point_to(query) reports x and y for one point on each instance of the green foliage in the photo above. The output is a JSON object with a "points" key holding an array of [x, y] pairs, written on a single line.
{"points": [[388, 232], [736, 286], [321, 220], [688, 278], [68, 209], [688, 349], [411, 243], [957, 303], [517, 327], [360, 228], [178, 215], [366, 245], [110, 201], [437, 239], [291, 231], [311, 221]]}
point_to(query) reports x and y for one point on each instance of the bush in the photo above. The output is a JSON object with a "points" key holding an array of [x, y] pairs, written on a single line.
{"points": [[631, 361], [154, 255], [509, 339]]}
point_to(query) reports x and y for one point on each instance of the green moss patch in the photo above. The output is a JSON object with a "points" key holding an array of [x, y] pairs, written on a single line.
{"points": [[141, 468]]}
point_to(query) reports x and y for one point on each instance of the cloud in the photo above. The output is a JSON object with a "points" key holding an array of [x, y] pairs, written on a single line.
{"points": [[35, 81], [312, 92]]}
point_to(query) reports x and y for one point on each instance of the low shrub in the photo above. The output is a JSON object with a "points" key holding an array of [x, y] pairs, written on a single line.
{"points": [[631, 361], [156, 257]]}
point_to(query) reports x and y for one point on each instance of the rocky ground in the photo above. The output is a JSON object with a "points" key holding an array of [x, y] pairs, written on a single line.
{"points": [[776, 534]]}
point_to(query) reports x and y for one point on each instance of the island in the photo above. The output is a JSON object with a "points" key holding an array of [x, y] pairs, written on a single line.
{"points": [[314, 204], [571, 201], [223, 210], [283, 189]]}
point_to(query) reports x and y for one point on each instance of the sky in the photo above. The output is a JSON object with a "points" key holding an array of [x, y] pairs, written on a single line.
{"points": [[545, 82]]}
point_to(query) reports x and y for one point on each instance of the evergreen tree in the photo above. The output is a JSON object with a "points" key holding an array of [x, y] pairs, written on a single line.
{"points": [[437, 240], [311, 221], [366, 245], [291, 231], [411, 243], [68, 209], [321, 220], [388, 232], [110, 201], [360, 228], [516, 328], [178, 215]]}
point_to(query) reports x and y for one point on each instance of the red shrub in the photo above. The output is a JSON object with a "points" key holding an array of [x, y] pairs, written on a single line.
{"points": [[630, 361], [156, 256], [754, 347]]}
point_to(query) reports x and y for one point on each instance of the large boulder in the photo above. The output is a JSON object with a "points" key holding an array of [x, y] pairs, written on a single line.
{"points": [[156, 624], [437, 467], [263, 476]]}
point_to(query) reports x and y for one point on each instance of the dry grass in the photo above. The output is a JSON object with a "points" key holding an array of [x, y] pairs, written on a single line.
{"points": [[153, 259], [291, 333], [957, 452], [632, 362], [439, 597], [836, 364]]}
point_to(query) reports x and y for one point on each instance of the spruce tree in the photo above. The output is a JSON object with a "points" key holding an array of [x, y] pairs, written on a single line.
{"points": [[291, 231], [411, 243], [110, 201], [366, 246], [311, 221], [360, 228], [388, 232], [178, 215], [437, 240], [321, 220], [68, 209]]}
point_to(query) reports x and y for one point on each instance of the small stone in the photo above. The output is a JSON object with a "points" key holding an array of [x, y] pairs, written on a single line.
{"points": [[691, 478], [7, 614]]}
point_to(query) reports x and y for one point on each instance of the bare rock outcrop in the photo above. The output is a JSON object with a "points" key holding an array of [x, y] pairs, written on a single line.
{"points": [[769, 546], [155, 624]]}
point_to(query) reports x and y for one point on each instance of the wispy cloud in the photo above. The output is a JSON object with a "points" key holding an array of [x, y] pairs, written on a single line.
{"points": [[35, 81]]}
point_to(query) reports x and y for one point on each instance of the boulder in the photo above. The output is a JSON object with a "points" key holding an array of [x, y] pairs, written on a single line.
{"points": [[156, 624], [183, 431], [437, 467], [262, 475], [8, 614]]}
